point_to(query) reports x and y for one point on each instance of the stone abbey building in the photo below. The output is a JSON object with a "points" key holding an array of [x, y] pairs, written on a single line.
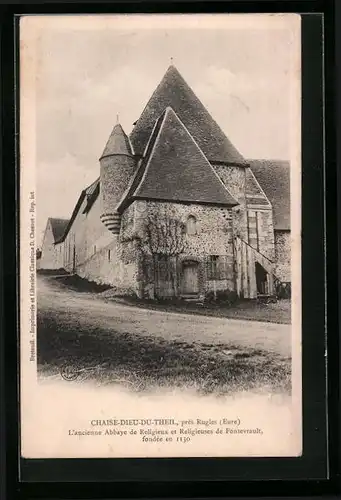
{"points": [[177, 210]]}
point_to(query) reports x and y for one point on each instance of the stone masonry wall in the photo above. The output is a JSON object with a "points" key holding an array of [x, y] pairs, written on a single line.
{"points": [[99, 255], [283, 255], [238, 182], [86, 237], [234, 179], [111, 266], [213, 237]]}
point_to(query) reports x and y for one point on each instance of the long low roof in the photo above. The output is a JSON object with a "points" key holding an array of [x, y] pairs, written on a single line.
{"points": [[272, 175], [90, 193]]}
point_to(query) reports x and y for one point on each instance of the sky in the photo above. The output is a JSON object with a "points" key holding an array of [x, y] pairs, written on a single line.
{"points": [[90, 72]]}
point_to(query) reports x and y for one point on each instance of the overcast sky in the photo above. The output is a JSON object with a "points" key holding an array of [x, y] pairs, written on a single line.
{"points": [[89, 74]]}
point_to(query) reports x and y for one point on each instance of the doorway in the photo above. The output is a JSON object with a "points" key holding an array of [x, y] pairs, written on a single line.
{"points": [[190, 281], [261, 280]]}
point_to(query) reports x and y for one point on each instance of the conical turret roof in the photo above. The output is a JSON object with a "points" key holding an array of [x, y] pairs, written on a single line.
{"points": [[118, 143], [174, 92]]}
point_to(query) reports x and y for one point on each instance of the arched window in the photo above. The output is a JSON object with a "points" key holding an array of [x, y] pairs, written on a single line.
{"points": [[191, 226]]}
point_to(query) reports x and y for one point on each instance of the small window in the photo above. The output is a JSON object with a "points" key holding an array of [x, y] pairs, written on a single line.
{"points": [[94, 249], [213, 267], [109, 256], [191, 227]]}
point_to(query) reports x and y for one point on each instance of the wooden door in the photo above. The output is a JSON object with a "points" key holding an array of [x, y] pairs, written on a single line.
{"points": [[190, 278]]}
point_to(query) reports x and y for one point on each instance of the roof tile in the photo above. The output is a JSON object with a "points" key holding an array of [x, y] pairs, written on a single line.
{"points": [[118, 143], [177, 170]]}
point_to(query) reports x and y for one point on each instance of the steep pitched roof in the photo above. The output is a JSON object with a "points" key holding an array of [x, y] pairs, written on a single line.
{"points": [[58, 227], [173, 91], [274, 178], [118, 143], [175, 168]]}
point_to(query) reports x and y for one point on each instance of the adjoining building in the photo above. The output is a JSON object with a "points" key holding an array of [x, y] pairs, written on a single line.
{"points": [[177, 210], [51, 256]]}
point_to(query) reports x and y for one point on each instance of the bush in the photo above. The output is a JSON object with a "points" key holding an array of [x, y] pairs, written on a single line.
{"points": [[221, 297], [209, 297], [283, 290]]}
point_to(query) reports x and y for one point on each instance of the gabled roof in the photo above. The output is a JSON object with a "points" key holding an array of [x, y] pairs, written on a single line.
{"points": [[173, 91], [118, 143], [255, 195], [274, 178], [58, 227], [175, 169], [90, 193]]}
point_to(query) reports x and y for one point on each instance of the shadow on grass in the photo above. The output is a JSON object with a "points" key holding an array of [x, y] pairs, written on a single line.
{"points": [[78, 284], [143, 363], [52, 272], [279, 312]]}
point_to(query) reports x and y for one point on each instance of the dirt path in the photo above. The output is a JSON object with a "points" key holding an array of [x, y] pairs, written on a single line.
{"points": [[88, 311]]}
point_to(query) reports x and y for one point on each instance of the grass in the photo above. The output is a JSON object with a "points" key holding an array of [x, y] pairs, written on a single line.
{"points": [[279, 312], [141, 363]]}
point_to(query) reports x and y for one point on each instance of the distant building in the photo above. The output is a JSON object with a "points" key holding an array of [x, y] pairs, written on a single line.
{"points": [[38, 258], [51, 256], [177, 210]]}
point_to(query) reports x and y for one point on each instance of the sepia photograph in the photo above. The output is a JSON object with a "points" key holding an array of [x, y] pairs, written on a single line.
{"points": [[160, 226]]}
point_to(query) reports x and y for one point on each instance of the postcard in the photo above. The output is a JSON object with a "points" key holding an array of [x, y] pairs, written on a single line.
{"points": [[160, 236]]}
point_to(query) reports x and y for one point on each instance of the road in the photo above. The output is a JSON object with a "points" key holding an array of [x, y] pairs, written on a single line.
{"points": [[89, 312], [109, 343]]}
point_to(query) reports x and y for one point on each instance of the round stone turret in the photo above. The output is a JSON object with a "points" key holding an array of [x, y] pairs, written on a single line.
{"points": [[117, 167]]}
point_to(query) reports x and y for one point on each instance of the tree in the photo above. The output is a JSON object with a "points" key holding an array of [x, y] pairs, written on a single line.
{"points": [[163, 239]]}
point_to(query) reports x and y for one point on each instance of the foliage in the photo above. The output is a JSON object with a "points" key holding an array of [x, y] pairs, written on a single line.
{"points": [[283, 289], [163, 233], [221, 297], [163, 238]]}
